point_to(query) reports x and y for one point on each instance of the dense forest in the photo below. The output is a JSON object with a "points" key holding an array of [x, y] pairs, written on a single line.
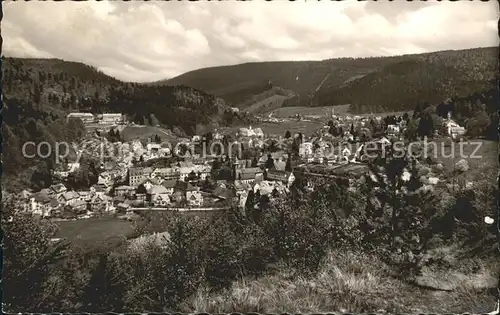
{"points": [[400, 86], [366, 82], [53, 84], [22, 123]]}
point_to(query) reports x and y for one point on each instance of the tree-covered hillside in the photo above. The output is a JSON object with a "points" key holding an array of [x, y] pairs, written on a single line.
{"points": [[39, 93], [56, 85], [377, 83], [236, 83], [421, 78]]}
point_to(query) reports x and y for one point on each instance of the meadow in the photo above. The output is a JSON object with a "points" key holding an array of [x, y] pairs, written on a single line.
{"points": [[94, 230], [309, 111], [145, 132], [338, 110], [306, 127], [267, 105]]}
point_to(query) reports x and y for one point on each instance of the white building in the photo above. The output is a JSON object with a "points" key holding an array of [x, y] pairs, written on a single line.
{"points": [[249, 132], [306, 149], [453, 128], [112, 118], [138, 175], [85, 117], [393, 130]]}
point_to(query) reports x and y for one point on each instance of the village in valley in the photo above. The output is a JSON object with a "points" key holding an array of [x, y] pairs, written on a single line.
{"points": [[130, 177], [318, 157]]}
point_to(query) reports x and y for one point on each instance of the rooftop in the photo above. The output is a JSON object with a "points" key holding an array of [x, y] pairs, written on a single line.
{"points": [[169, 183], [157, 189], [184, 186]]}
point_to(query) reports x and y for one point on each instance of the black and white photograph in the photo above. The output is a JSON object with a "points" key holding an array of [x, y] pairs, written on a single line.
{"points": [[250, 156]]}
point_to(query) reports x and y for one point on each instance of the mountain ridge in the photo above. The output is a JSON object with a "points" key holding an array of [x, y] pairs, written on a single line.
{"points": [[234, 83]]}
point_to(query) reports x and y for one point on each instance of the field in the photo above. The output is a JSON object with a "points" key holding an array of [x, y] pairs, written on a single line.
{"points": [[339, 110], [145, 132], [94, 229], [279, 129], [309, 111]]}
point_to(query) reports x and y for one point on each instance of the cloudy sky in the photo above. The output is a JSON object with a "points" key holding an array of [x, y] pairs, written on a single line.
{"points": [[148, 41]]}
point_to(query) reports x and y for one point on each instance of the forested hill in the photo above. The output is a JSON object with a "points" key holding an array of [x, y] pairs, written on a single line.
{"points": [[59, 86], [429, 78], [39, 93], [377, 83]]}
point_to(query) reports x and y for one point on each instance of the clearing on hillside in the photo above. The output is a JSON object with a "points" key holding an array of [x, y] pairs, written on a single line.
{"points": [[140, 132], [266, 105], [94, 229], [310, 111]]}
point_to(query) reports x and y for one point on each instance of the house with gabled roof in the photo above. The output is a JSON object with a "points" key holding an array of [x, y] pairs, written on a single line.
{"points": [[98, 190], [58, 189], [124, 190], [187, 192], [248, 175], [169, 185], [68, 198], [161, 200], [159, 195], [286, 178], [100, 203], [137, 175], [84, 195], [104, 179], [80, 205], [194, 198], [39, 203], [223, 193], [166, 173]]}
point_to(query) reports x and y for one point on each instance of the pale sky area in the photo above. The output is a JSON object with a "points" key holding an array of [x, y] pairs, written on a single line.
{"points": [[148, 41]]}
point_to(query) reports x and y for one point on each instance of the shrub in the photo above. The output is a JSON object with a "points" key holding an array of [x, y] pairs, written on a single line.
{"points": [[223, 259], [424, 170], [462, 166], [438, 168]]}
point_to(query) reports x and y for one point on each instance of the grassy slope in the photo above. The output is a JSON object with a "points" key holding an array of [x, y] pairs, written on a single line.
{"points": [[267, 104], [310, 111], [346, 282], [94, 229], [145, 132], [279, 129]]}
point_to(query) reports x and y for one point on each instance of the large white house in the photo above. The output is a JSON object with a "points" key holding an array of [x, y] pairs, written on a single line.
{"points": [[453, 128], [249, 132], [85, 117], [112, 118], [306, 149], [138, 175]]}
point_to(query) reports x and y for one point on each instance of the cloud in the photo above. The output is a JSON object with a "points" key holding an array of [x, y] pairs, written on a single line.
{"points": [[147, 41]]}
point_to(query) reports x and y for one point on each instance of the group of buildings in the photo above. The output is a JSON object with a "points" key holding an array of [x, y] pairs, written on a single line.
{"points": [[182, 185], [193, 182], [107, 118]]}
